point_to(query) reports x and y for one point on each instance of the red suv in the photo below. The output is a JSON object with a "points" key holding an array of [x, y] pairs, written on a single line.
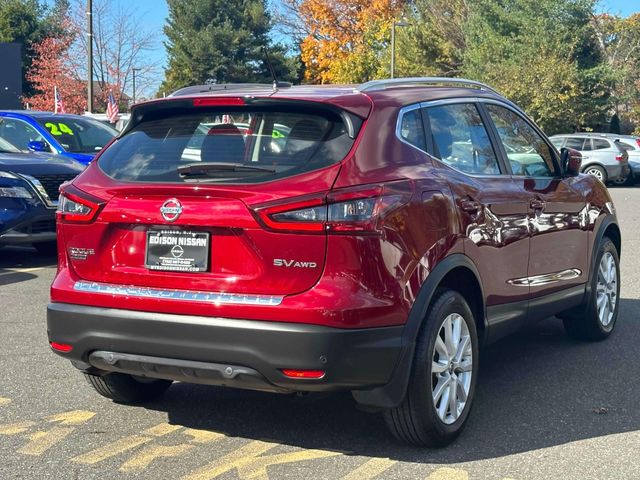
{"points": [[321, 238]]}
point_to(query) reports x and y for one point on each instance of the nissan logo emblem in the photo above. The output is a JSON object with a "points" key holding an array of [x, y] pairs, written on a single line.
{"points": [[171, 210]]}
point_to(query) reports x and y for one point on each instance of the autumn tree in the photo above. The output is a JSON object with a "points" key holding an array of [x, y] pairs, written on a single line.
{"points": [[51, 68], [343, 41]]}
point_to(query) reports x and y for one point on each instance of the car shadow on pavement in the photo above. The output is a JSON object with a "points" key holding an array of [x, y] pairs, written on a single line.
{"points": [[24, 257], [536, 389]]}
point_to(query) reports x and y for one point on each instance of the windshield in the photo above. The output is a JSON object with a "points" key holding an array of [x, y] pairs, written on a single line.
{"points": [[254, 144], [6, 147], [78, 135]]}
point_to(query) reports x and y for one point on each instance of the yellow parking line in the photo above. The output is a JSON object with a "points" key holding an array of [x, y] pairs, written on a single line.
{"points": [[74, 417], [7, 271], [15, 428], [124, 444], [42, 441], [447, 473], [370, 469], [252, 464], [4, 401], [150, 453]]}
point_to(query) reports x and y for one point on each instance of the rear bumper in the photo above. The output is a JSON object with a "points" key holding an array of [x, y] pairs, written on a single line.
{"points": [[616, 172], [33, 227], [236, 353]]}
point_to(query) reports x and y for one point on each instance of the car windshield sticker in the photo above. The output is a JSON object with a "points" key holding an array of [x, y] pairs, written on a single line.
{"points": [[59, 129]]}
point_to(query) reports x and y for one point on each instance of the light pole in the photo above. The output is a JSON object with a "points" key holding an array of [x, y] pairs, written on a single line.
{"points": [[89, 56], [393, 44], [134, 70]]}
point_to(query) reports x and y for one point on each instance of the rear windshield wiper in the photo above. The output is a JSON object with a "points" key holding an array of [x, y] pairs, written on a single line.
{"points": [[205, 168]]}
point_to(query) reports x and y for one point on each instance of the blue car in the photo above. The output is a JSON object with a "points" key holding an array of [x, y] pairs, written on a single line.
{"points": [[74, 136], [29, 185]]}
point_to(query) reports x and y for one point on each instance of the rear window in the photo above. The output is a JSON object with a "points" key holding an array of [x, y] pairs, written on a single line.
{"points": [[245, 145]]}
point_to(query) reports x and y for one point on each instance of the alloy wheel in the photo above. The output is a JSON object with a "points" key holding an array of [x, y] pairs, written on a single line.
{"points": [[596, 172], [607, 289], [452, 368]]}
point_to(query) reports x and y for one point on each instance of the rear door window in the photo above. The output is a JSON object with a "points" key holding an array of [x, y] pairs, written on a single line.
{"points": [[461, 139], [577, 143], [246, 145], [600, 144]]}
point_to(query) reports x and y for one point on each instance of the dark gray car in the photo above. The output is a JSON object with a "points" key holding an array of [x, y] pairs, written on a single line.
{"points": [[602, 157]]}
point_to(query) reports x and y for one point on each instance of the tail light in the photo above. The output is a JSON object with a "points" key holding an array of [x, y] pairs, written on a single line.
{"points": [[315, 374], [345, 211], [76, 206], [619, 157], [638, 142]]}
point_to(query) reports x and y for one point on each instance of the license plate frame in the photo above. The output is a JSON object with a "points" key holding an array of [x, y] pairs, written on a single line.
{"points": [[181, 251]]}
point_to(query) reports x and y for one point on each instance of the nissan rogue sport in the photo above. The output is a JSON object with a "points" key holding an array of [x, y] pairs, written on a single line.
{"points": [[324, 238]]}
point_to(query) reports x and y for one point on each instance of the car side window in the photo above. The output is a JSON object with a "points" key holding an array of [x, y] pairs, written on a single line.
{"points": [[411, 129], [19, 133], [575, 142], [600, 144], [461, 139], [526, 150]]}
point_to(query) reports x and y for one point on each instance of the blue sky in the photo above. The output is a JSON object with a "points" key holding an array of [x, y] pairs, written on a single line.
{"points": [[155, 13]]}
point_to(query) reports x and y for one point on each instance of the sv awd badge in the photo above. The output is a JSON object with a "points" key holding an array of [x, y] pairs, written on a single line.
{"points": [[281, 262]]}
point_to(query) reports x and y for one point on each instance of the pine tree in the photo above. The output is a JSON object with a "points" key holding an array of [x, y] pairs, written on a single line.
{"points": [[220, 41]]}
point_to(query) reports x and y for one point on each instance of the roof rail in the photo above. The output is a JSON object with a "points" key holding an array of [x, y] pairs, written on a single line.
{"points": [[226, 87], [421, 81]]}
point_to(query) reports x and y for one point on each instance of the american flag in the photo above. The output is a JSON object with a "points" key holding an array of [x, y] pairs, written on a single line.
{"points": [[112, 109], [59, 107]]}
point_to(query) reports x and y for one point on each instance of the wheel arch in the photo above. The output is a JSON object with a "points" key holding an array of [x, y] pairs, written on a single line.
{"points": [[456, 272]]}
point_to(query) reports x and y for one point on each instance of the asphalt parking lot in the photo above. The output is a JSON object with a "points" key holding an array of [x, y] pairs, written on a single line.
{"points": [[547, 407]]}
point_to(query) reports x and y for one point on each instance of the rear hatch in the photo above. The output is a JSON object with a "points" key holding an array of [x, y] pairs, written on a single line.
{"points": [[177, 197]]}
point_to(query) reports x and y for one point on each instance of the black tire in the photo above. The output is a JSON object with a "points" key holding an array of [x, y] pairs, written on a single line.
{"points": [[596, 171], [583, 322], [48, 249], [627, 182], [124, 388], [415, 420]]}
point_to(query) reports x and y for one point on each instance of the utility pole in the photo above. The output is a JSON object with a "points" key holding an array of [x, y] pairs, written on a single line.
{"points": [[134, 70], [90, 56], [393, 45]]}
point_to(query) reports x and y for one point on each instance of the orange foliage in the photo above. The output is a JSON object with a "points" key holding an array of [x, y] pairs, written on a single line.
{"points": [[50, 68], [345, 37]]}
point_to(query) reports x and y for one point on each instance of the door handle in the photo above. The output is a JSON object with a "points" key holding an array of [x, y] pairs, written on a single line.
{"points": [[537, 204], [470, 206]]}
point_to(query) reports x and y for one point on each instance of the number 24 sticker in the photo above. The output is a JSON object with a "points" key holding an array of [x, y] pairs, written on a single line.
{"points": [[59, 129]]}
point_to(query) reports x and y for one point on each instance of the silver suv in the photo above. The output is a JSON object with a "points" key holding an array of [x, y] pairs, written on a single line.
{"points": [[602, 157]]}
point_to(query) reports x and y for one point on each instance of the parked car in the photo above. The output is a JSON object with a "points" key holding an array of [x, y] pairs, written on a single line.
{"points": [[602, 157], [29, 185], [631, 144], [68, 135], [399, 226], [119, 125]]}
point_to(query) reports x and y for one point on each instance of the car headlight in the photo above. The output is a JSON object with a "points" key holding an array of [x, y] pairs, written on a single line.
{"points": [[15, 192], [38, 186]]}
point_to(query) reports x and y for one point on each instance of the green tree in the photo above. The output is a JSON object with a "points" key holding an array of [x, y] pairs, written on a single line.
{"points": [[220, 41], [542, 55]]}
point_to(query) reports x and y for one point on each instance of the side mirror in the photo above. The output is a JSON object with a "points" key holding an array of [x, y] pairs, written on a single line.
{"points": [[571, 161], [38, 147]]}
